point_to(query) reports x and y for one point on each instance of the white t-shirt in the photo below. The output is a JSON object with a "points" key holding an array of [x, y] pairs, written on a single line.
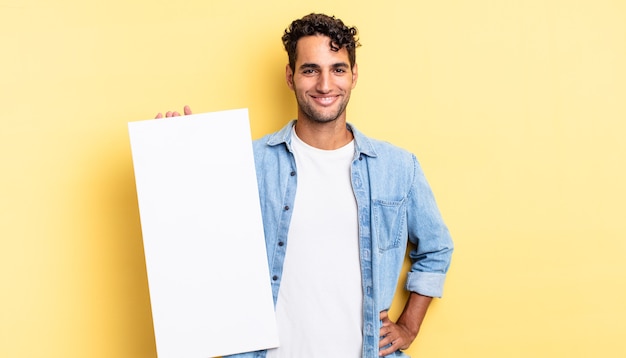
{"points": [[319, 310]]}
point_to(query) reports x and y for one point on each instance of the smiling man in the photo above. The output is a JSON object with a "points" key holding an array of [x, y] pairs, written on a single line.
{"points": [[339, 211]]}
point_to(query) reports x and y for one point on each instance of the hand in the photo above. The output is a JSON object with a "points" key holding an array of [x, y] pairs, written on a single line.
{"points": [[396, 335], [168, 114]]}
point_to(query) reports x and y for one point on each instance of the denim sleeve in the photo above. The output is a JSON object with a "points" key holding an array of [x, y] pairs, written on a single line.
{"points": [[430, 259]]}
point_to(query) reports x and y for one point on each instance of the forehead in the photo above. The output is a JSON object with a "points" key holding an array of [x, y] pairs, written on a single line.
{"points": [[316, 49]]}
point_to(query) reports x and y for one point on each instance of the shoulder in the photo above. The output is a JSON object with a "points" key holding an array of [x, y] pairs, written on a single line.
{"points": [[394, 160], [384, 148], [274, 140], [382, 151], [261, 143]]}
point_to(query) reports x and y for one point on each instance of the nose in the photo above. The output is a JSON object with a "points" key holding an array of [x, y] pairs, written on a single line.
{"points": [[323, 82]]}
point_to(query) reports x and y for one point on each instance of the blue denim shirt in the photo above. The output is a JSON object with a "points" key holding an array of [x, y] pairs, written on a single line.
{"points": [[395, 204]]}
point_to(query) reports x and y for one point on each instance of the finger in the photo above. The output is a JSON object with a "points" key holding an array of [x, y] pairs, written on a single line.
{"points": [[387, 336], [393, 345], [187, 110], [383, 315], [385, 341], [386, 328], [159, 115], [168, 114], [390, 348], [175, 114], [387, 351]]}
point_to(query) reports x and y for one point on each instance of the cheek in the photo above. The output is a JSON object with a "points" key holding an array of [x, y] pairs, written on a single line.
{"points": [[348, 84], [300, 85]]}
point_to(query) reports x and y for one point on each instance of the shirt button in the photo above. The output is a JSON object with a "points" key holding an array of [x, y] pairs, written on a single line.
{"points": [[286, 207], [274, 277], [280, 243], [292, 173]]}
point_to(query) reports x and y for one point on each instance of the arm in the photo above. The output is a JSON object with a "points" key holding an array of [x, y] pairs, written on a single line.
{"points": [[401, 334]]}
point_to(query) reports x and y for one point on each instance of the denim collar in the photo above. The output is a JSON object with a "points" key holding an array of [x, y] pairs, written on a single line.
{"points": [[362, 144]]}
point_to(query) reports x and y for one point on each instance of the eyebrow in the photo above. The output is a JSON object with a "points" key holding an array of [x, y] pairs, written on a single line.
{"points": [[316, 66]]}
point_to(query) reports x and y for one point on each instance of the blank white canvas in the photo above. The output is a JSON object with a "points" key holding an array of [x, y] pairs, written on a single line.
{"points": [[203, 236]]}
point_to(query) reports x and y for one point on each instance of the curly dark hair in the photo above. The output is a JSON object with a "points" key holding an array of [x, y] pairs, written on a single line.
{"points": [[319, 24]]}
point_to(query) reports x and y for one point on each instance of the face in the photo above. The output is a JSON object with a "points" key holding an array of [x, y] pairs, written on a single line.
{"points": [[322, 80]]}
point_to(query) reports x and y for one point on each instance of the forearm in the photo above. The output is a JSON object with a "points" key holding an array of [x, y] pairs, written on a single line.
{"points": [[414, 312], [400, 334]]}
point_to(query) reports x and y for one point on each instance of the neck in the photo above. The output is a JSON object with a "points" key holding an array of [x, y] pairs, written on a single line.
{"points": [[326, 136]]}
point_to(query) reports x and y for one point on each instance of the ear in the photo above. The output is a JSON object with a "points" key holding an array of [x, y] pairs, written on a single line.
{"points": [[289, 76], [355, 74]]}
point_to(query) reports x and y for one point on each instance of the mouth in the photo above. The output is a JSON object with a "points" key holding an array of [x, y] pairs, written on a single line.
{"points": [[325, 100]]}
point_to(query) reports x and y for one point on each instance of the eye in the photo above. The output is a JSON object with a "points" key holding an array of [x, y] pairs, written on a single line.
{"points": [[309, 71]]}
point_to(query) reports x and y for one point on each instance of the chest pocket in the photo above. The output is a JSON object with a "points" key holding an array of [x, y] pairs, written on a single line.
{"points": [[389, 219]]}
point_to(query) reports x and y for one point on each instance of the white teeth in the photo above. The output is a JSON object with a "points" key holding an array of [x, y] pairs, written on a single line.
{"points": [[325, 100]]}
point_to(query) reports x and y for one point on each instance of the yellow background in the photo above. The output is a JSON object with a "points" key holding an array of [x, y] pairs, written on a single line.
{"points": [[516, 109]]}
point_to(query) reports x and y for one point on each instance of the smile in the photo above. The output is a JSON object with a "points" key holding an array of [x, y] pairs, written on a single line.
{"points": [[325, 101]]}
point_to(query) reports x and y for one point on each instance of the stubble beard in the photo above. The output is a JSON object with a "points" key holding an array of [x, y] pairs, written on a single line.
{"points": [[317, 116]]}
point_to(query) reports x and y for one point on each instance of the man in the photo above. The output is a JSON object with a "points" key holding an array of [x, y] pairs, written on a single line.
{"points": [[338, 208]]}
